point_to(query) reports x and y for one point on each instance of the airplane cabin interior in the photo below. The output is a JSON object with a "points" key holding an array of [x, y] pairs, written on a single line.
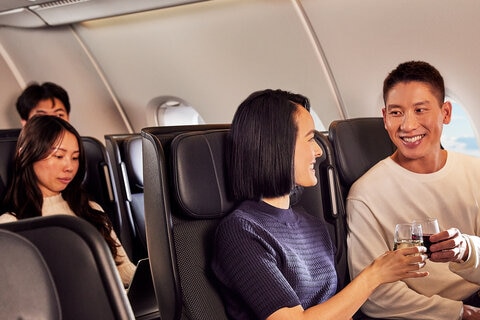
{"points": [[153, 86]]}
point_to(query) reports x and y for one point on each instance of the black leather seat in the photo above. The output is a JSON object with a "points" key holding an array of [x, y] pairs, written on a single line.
{"points": [[358, 143], [97, 180], [7, 152], [9, 133], [126, 166], [81, 265], [28, 290], [185, 198]]}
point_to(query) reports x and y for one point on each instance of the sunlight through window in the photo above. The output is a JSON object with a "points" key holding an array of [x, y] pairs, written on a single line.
{"points": [[459, 135]]}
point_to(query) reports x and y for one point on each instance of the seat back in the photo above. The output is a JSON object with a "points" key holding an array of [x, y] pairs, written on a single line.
{"points": [[28, 290], [125, 161], [7, 153], [185, 197], [9, 133], [358, 143], [82, 267], [97, 179]]}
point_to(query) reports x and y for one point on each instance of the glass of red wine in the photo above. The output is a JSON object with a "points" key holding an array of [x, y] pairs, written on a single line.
{"points": [[429, 227]]}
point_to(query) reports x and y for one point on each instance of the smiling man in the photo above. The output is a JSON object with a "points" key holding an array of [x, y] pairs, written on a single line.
{"points": [[419, 180], [414, 119]]}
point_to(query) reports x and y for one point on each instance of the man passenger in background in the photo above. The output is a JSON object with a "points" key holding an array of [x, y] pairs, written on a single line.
{"points": [[45, 99], [419, 180], [41, 99]]}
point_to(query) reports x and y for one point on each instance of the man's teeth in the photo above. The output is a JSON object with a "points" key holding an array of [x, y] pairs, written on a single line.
{"points": [[412, 139]]}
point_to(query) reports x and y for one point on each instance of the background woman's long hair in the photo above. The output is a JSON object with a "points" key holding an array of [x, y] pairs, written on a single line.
{"points": [[24, 198]]}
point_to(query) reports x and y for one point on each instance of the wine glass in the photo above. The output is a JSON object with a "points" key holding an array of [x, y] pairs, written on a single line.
{"points": [[429, 227], [407, 235]]}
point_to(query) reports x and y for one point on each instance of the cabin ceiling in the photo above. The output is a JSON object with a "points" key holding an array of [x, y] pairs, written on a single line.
{"points": [[43, 13]]}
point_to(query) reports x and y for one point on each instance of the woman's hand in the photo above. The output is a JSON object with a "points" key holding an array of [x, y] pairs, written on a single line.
{"points": [[400, 264]]}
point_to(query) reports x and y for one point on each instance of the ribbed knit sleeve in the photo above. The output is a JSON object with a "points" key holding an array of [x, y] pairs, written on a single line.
{"points": [[268, 258]]}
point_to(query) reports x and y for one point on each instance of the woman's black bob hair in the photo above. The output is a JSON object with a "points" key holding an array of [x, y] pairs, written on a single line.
{"points": [[261, 145]]}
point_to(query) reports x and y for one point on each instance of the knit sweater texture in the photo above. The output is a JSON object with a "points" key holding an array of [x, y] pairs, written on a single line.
{"points": [[267, 258]]}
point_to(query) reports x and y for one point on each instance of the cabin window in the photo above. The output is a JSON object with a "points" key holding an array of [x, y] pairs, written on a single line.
{"points": [[459, 135], [316, 121], [173, 111]]}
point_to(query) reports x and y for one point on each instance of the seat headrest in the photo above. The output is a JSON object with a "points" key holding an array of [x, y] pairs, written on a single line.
{"points": [[28, 290], [134, 162], [359, 143], [199, 174], [8, 146]]}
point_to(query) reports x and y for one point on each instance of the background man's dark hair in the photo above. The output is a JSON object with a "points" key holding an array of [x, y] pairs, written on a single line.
{"points": [[35, 93]]}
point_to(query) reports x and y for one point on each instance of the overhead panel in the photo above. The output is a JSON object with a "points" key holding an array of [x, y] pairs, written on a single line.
{"points": [[31, 14], [6, 5], [21, 17]]}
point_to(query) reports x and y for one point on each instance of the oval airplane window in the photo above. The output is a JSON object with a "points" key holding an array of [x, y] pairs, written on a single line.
{"points": [[173, 111], [459, 135]]}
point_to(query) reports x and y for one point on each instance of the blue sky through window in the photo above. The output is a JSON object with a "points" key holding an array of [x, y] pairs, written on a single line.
{"points": [[459, 135]]}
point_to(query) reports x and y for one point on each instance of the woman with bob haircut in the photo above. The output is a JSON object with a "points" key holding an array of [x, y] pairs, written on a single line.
{"points": [[275, 262], [48, 179]]}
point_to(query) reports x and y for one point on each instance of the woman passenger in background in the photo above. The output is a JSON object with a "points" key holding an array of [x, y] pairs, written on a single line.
{"points": [[50, 167], [275, 262]]}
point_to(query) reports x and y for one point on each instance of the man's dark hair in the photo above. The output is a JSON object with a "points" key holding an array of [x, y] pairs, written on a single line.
{"points": [[35, 93], [415, 71]]}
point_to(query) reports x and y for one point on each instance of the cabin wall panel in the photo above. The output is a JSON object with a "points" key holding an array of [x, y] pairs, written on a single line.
{"points": [[10, 86], [54, 54], [212, 54]]}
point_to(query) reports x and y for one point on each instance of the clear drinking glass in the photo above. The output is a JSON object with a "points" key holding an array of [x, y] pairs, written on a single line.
{"points": [[407, 235], [429, 227]]}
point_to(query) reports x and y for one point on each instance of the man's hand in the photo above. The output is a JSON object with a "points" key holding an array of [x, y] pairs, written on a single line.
{"points": [[470, 313], [449, 245]]}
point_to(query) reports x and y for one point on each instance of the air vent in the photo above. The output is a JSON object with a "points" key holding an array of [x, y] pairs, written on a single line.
{"points": [[55, 4], [61, 12]]}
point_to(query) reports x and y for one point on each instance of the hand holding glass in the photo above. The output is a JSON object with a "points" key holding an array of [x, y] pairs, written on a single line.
{"points": [[407, 235], [429, 227]]}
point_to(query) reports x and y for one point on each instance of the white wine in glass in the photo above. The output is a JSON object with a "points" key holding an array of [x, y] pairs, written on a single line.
{"points": [[407, 235]]}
